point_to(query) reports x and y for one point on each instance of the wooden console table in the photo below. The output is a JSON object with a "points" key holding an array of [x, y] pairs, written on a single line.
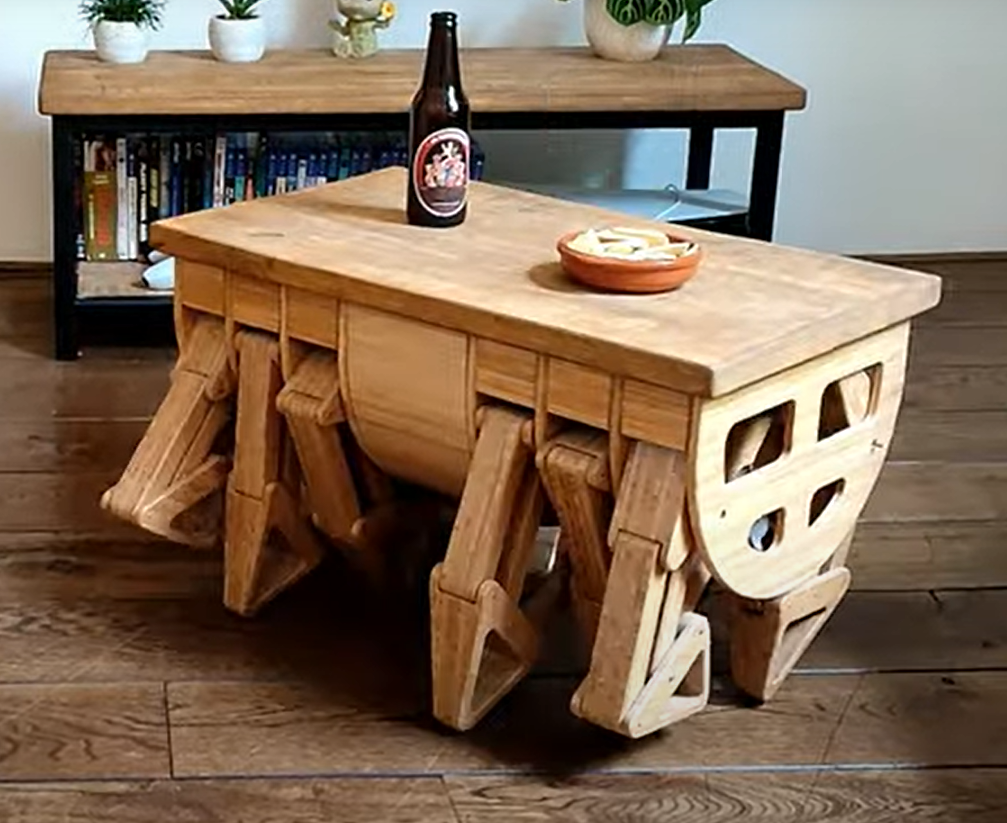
{"points": [[732, 429], [702, 88]]}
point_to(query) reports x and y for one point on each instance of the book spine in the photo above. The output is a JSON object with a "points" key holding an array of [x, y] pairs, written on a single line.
{"points": [[133, 203], [302, 173], [143, 197], [164, 201], [206, 172], [122, 199], [219, 169], [176, 177], [154, 179], [229, 175], [240, 172]]}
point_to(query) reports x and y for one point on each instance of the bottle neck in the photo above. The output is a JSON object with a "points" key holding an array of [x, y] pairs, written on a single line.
{"points": [[442, 56]]}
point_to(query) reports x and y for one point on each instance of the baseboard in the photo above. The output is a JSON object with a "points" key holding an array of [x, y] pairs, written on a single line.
{"points": [[32, 268], [936, 258]]}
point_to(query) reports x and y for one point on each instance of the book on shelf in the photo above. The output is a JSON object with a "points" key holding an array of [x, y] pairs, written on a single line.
{"points": [[127, 182]]}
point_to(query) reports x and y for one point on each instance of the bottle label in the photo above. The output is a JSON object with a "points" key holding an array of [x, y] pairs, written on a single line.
{"points": [[441, 172]]}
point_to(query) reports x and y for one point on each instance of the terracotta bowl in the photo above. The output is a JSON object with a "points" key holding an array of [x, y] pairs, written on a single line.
{"points": [[634, 276]]}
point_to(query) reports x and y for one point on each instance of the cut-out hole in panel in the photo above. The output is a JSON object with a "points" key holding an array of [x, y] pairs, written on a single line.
{"points": [[849, 401], [766, 532], [758, 441], [498, 666], [797, 633], [823, 498]]}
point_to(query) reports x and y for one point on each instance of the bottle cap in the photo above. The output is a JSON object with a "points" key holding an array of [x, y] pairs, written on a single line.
{"points": [[444, 18]]}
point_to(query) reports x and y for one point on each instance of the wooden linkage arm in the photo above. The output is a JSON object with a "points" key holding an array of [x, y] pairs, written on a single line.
{"points": [[260, 499], [173, 473], [650, 664], [483, 643]]}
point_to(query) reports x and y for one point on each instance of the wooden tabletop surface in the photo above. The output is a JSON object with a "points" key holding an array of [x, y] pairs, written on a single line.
{"points": [[685, 78], [752, 309]]}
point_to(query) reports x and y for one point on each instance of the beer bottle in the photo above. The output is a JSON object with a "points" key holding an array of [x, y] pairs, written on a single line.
{"points": [[439, 133]]}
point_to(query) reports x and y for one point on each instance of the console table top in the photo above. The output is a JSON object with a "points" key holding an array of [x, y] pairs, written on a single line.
{"points": [[685, 78]]}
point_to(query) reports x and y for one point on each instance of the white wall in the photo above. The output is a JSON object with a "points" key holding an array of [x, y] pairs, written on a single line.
{"points": [[903, 146]]}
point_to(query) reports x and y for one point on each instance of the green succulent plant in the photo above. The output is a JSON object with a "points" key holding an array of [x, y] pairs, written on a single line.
{"points": [[147, 13], [240, 9], [659, 13]]}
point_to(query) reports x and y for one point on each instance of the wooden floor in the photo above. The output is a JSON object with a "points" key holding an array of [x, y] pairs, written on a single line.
{"points": [[128, 694]]}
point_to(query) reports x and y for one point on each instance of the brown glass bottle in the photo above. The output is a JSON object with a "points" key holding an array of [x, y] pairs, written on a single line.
{"points": [[440, 134]]}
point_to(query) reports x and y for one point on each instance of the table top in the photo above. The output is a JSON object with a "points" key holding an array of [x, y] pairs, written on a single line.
{"points": [[752, 309], [685, 78]]}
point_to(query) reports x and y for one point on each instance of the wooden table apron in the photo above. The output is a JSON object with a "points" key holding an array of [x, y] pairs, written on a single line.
{"points": [[656, 490]]}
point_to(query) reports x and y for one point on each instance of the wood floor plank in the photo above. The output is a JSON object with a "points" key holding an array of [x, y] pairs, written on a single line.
{"points": [[59, 445], [969, 308], [951, 436], [971, 275], [98, 388], [962, 388], [32, 502], [957, 719], [913, 492], [66, 567], [959, 346], [944, 796], [241, 801], [295, 728], [82, 731], [902, 631], [925, 556]]}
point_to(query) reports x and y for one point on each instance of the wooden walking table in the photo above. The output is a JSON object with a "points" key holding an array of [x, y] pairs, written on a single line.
{"points": [[727, 432]]}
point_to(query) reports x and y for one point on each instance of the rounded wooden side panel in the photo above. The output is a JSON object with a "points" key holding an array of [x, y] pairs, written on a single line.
{"points": [[409, 397], [781, 470]]}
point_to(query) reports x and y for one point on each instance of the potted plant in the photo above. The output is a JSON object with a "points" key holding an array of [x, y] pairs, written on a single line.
{"points": [[120, 27], [637, 30], [239, 34]]}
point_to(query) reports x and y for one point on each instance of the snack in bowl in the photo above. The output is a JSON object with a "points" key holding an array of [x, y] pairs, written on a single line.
{"points": [[638, 260]]}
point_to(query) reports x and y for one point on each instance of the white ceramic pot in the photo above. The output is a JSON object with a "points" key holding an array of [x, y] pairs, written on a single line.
{"points": [[237, 41], [120, 42], [613, 41]]}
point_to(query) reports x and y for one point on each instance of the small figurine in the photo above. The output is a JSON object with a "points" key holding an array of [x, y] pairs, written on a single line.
{"points": [[357, 36]]}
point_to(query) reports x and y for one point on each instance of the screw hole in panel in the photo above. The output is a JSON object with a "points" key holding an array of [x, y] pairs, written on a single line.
{"points": [[758, 441]]}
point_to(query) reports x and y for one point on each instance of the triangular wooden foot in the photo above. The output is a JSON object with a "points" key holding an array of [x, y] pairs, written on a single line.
{"points": [[768, 638], [269, 547], [679, 686], [479, 651], [178, 514]]}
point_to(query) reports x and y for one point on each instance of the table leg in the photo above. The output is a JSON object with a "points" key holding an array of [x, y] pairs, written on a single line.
{"points": [[769, 637], [483, 641], [311, 406], [268, 544], [765, 176], [173, 473], [650, 664], [700, 157], [574, 467]]}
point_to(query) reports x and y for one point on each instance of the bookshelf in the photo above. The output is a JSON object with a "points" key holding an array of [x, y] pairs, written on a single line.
{"points": [[188, 99]]}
